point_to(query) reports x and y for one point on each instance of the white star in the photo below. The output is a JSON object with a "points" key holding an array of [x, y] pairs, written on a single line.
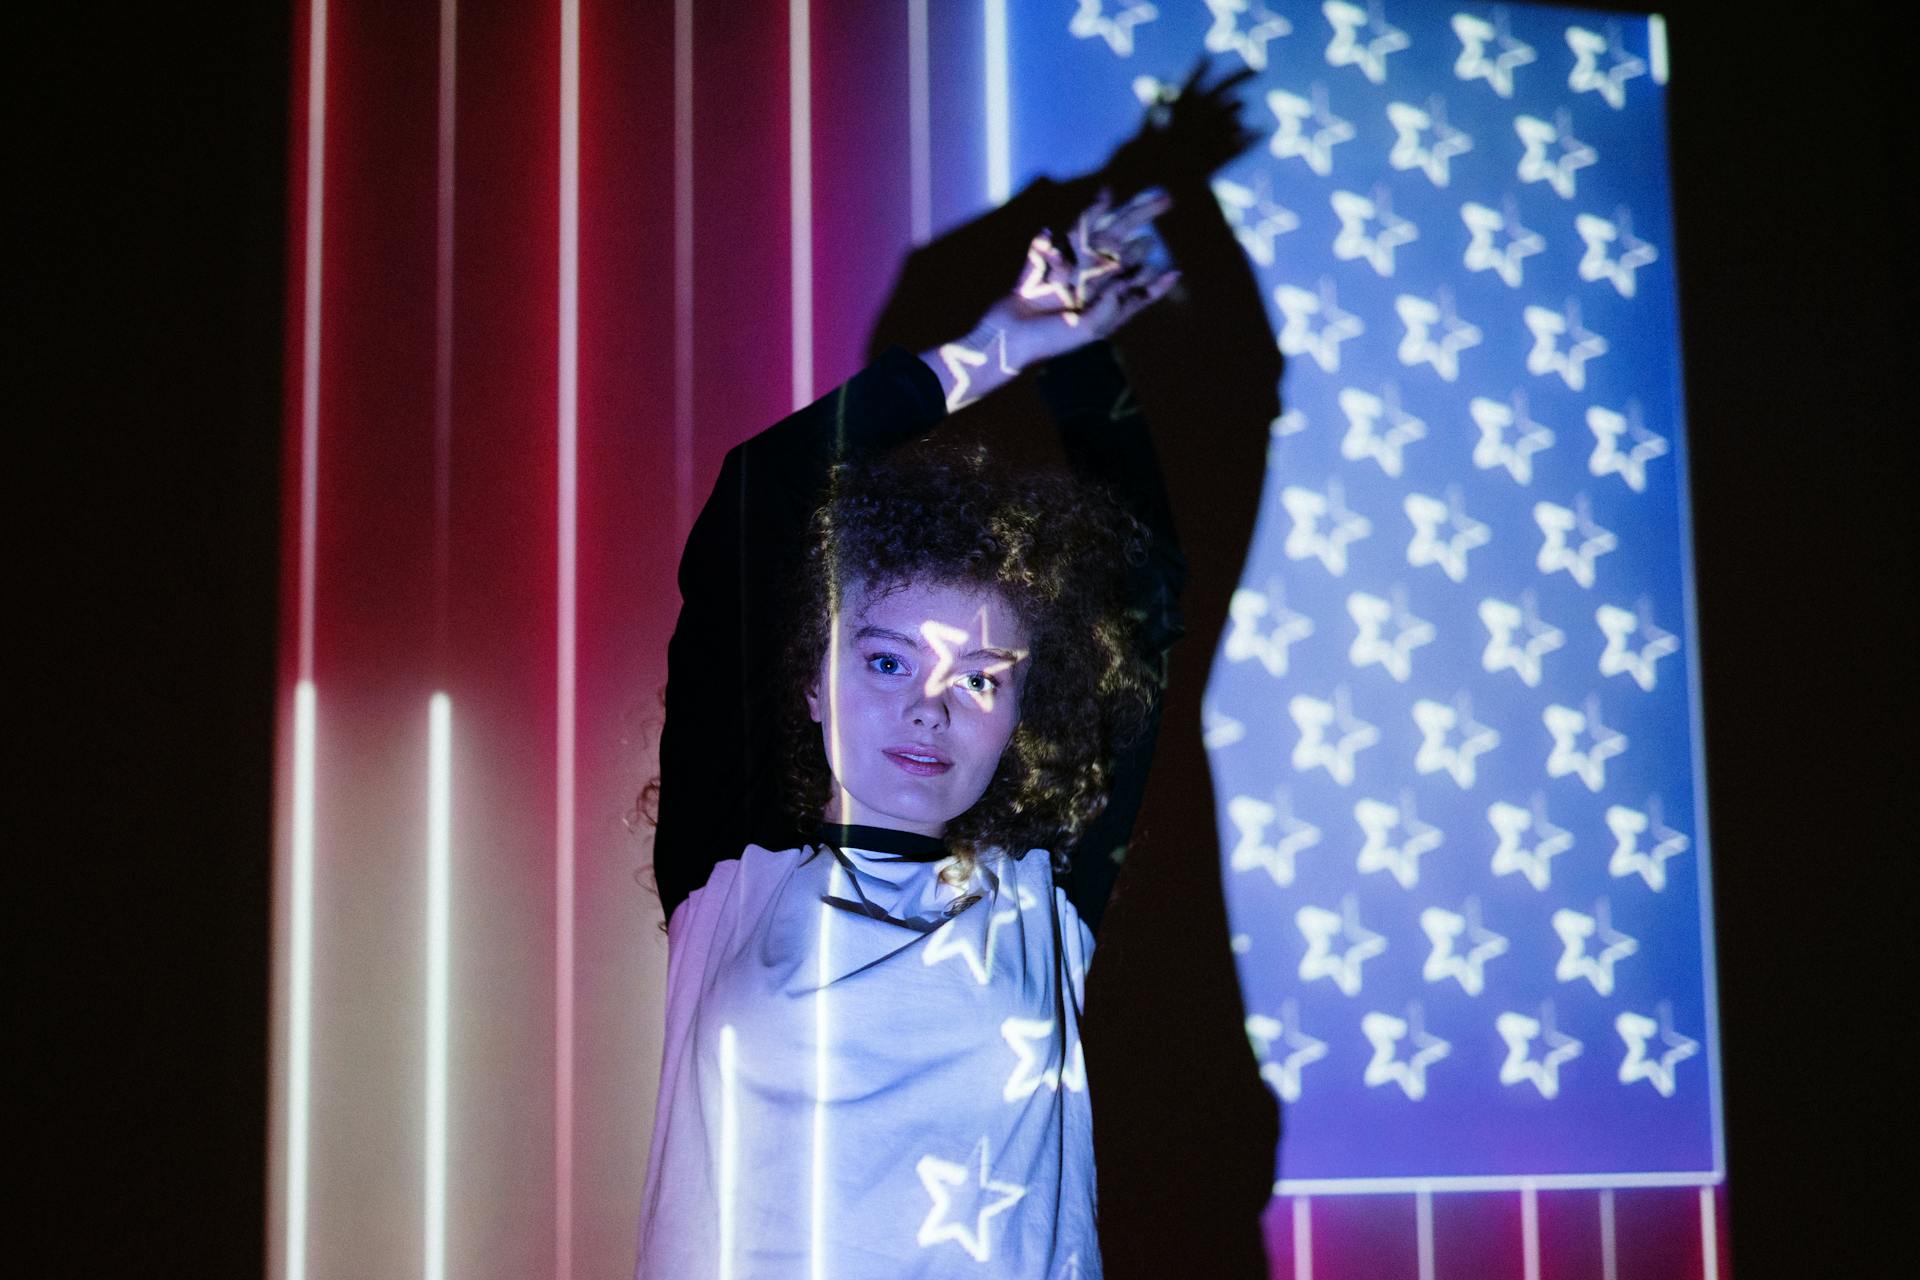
{"points": [[1218, 730], [1590, 765], [1635, 1030], [1409, 152], [1598, 234], [1494, 449], [1385, 1031], [1318, 926], [1117, 30], [1628, 825], [948, 941], [1556, 522], [1502, 620], [1307, 509], [1519, 1031], [942, 1179], [1609, 458], [1450, 553], [1364, 410], [1227, 36], [1504, 261], [1610, 84], [1418, 345], [1616, 624], [1398, 858], [1297, 334], [1251, 818], [1256, 220], [1032, 1041], [1314, 717], [1547, 326], [1264, 628], [1302, 1049], [1510, 822], [1443, 929], [1344, 50], [1290, 139], [1438, 722], [1574, 929], [1370, 613], [1557, 173], [1473, 63], [1353, 241]]}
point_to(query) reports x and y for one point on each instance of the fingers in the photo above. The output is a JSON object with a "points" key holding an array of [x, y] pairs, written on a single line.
{"points": [[1130, 218]]}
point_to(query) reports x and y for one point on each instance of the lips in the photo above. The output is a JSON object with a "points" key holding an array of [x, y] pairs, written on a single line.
{"points": [[918, 761]]}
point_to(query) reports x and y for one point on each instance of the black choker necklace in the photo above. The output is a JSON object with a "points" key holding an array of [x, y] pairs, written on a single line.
{"points": [[909, 845]]}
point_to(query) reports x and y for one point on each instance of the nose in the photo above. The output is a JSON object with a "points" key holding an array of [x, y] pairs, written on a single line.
{"points": [[930, 710]]}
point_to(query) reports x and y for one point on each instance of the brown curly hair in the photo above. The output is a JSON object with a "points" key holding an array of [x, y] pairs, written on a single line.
{"points": [[1057, 550]]}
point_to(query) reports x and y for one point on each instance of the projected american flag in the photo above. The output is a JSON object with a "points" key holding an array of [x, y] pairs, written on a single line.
{"points": [[1454, 722]]}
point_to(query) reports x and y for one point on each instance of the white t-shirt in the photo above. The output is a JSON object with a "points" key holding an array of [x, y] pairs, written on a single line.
{"points": [[857, 1085]]}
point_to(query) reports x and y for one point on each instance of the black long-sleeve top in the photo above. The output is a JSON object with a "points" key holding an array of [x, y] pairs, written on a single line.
{"points": [[720, 757]]}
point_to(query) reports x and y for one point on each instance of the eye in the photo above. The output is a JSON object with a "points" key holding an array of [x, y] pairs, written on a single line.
{"points": [[886, 664], [979, 682]]}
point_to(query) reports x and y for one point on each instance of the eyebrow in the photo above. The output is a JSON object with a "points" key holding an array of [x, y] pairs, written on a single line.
{"points": [[915, 642]]}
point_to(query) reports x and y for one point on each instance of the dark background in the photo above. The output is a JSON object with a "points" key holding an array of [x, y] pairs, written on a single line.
{"points": [[148, 344]]}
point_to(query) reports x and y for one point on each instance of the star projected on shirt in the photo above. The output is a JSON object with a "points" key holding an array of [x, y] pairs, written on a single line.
{"points": [[1445, 547], [1292, 138], [1515, 243], [1635, 660], [1570, 155], [1261, 627], [1611, 83], [1451, 739], [1412, 148], [952, 940], [1366, 438], [1600, 263], [1092, 20], [1323, 527], [1608, 458], [1636, 1031], [1474, 62], [1521, 1067], [1253, 852], [1395, 839], [1372, 644], [1283, 1072], [1513, 855], [966, 1198], [1505, 622], [1229, 34], [1256, 220], [1577, 930], [1508, 436], [1586, 762], [1556, 553], [1369, 229], [1385, 1032], [1361, 38], [1320, 749], [1033, 1041], [1447, 958], [1548, 356], [1300, 336], [1420, 345], [1359, 944], [1628, 859]]}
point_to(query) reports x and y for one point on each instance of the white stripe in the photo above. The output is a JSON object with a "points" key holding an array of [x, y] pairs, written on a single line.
{"points": [[439, 856], [729, 1145], [1609, 1253], [1530, 1232], [682, 267], [1423, 1230], [817, 1226], [300, 980], [567, 569], [310, 331], [800, 161], [1657, 47], [1302, 1238], [1709, 1238], [919, 127], [999, 127], [1545, 1182]]}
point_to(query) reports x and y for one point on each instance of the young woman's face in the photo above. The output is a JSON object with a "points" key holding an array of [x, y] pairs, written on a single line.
{"points": [[917, 698]]}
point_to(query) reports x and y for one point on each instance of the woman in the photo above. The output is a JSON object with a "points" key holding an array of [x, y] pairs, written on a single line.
{"points": [[872, 1061]]}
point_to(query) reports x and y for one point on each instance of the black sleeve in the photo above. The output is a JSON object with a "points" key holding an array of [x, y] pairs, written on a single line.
{"points": [[719, 747], [1107, 439]]}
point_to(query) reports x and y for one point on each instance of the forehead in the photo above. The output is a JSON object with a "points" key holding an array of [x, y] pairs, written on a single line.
{"points": [[983, 614]]}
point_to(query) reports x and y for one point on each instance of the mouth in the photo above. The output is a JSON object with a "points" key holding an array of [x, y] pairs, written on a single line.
{"points": [[922, 764]]}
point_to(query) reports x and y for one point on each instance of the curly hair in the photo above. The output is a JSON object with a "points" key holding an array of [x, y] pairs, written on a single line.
{"points": [[1057, 551]]}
